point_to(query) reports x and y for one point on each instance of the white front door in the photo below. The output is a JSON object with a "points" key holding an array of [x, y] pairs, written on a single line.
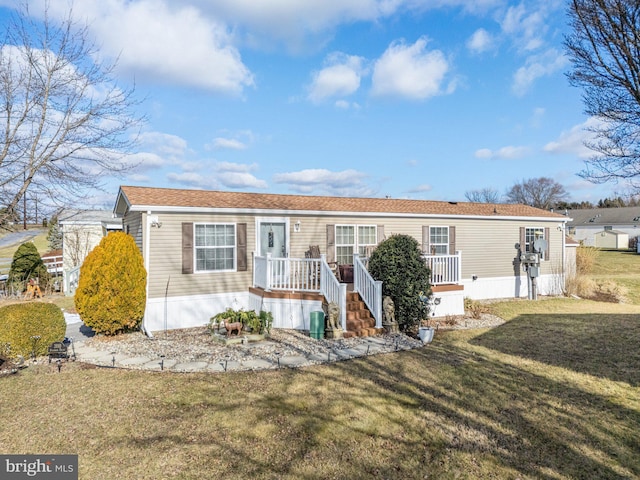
{"points": [[273, 239]]}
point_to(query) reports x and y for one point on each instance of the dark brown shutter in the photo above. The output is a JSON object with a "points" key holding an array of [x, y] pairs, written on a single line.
{"points": [[380, 233], [425, 240], [331, 243], [452, 240], [187, 247], [241, 246], [547, 237]]}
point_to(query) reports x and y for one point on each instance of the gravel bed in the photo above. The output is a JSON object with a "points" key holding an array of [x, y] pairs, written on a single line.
{"points": [[197, 345]]}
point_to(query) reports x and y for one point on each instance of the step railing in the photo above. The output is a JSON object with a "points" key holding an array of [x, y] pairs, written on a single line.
{"points": [[333, 290], [445, 269], [370, 290]]}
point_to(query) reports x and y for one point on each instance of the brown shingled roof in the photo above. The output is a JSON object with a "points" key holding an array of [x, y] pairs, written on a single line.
{"points": [[168, 197]]}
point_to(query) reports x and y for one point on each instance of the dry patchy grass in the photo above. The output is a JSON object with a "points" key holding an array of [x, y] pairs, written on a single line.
{"points": [[539, 397]]}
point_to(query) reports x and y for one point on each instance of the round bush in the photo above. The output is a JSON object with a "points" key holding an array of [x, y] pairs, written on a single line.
{"points": [[111, 293], [27, 264], [20, 322], [398, 262]]}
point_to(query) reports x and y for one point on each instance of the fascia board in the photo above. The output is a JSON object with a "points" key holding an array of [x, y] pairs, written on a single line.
{"points": [[323, 213]]}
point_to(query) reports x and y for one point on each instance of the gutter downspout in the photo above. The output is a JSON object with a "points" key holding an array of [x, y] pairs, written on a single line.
{"points": [[147, 246]]}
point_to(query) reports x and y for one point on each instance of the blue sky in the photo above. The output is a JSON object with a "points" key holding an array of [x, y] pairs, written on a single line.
{"points": [[422, 99]]}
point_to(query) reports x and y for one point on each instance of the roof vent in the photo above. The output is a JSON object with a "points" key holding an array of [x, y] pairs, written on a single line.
{"points": [[453, 203]]}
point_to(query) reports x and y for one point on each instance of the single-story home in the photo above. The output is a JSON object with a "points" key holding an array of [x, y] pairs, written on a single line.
{"points": [[586, 225], [205, 251], [81, 231]]}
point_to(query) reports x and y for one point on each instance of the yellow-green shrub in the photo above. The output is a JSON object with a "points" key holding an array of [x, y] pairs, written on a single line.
{"points": [[20, 322], [111, 293]]}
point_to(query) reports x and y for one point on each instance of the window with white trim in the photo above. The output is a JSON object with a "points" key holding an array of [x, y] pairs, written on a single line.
{"points": [[215, 247], [350, 238], [367, 237], [439, 240], [530, 236], [345, 243]]}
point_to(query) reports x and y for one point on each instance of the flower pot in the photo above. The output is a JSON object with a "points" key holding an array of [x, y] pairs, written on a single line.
{"points": [[426, 334]]}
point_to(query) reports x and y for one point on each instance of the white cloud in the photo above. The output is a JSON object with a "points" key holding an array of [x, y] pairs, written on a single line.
{"points": [[571, 142], [339, 78], [228, 144], [223, 175], [410, 71], [526, 27], [425, 187], [537, 66], [505, 153], [163, 41], [348, 183], [481, 41]]}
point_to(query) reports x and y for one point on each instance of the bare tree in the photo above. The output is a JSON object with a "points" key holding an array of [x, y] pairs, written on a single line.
{"points": [[540, 192], [484, 195], [605, 51], [64, 121]]}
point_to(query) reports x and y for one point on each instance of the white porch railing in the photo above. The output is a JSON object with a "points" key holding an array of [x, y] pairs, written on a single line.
{"points": [[445, 269], [53, 264], [333, 290], [301, 275], [71, 278], [369, 289], [290, 274]]}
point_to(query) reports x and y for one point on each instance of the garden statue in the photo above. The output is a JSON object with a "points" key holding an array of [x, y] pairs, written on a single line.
{"points": [[389, 312], [334, 329], [232, 327]]}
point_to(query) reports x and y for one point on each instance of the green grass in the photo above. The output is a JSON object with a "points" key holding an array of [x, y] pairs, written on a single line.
{"points": [[553, 393], [7, 252], [544, 396], [621, 266]]}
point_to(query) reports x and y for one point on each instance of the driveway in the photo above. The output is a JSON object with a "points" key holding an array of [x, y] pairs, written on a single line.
{"points": [[16, 238]]}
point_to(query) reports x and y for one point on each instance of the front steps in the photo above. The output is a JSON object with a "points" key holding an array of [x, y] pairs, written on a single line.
{"points": [[360, 323]]}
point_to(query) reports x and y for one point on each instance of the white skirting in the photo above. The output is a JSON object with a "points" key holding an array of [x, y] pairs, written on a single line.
{"points": [[189, 311], [510, 287]]}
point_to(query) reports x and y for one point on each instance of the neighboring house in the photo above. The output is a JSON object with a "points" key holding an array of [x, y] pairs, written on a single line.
{"points": [[205, 251], [81, 231], [587, 226]]}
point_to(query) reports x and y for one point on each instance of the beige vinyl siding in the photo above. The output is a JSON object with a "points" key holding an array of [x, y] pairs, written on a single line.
{"points": [[165, 261], [132, 224], [488, 246]]}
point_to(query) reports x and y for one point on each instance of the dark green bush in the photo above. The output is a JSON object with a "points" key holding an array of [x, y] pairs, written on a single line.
{"points": [[398, 262], [257, 323], [20, 322], [111, 293], [27, 264]]}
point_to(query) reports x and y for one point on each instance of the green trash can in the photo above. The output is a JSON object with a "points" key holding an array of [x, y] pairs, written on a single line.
{"points": [[316, 327]]}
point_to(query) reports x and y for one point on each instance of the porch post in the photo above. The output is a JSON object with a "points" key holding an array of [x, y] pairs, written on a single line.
{"points": [[343, 306], [356, 273], [268, 282], [378, 312]]}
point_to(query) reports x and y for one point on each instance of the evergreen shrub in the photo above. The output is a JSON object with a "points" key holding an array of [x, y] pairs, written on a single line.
{"points": [[20, 322], [111, 293], [27, 264], [398, 262]]}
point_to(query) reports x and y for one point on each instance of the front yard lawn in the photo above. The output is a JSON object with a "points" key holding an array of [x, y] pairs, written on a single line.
{"points": [[553, 393]]}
